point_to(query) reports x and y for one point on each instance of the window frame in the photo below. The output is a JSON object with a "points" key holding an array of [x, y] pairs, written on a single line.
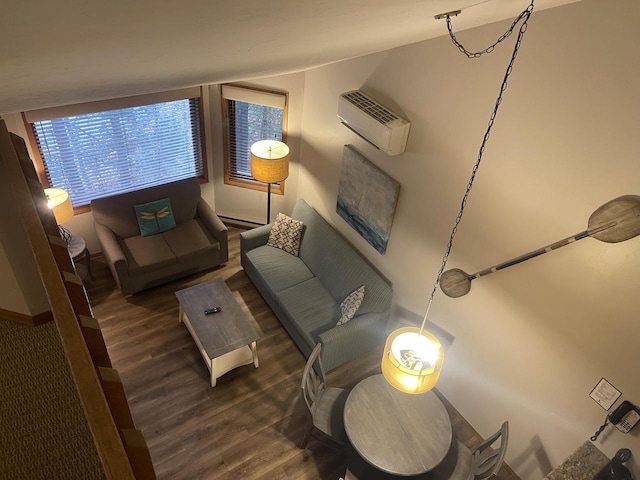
{"points": [[229, 179], [32, 116]]}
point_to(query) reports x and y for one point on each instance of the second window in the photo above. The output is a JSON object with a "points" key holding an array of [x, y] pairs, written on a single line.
{"points": [[250, 115]]}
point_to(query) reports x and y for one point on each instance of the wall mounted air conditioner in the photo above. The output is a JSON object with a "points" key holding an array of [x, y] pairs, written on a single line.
{"points": [[374, 122]]}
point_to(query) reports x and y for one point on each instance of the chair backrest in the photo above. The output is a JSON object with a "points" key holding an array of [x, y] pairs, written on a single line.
{"points": [[486, 462], [313, 379]]}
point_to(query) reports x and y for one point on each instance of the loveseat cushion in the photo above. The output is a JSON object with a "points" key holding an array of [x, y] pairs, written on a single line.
{"points": [[279, 269], [190, 239], [312, 306], [147, 253]]}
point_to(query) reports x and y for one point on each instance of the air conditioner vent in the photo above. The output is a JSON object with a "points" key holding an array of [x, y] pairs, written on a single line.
{"points": [[371, 107], [373, 122]]}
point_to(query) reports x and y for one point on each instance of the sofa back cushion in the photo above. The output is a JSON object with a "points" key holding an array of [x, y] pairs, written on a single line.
{"points": [[117, 212], [340, 268]]}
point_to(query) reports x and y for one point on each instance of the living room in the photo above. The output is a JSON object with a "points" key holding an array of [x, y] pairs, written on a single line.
{"points": [[530, 343]]}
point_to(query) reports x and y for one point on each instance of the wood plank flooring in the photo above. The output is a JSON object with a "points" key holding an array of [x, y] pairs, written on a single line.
{"points": [[249, 425]]}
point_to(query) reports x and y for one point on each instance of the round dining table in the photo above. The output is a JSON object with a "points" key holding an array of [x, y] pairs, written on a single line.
{"points": [[398, 433]]}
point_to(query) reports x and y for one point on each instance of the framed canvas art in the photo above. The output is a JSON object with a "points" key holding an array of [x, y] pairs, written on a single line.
{"points": [[367, 198]]}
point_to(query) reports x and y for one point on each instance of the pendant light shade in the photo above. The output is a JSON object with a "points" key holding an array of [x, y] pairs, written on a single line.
{"points": [[412, 360]]}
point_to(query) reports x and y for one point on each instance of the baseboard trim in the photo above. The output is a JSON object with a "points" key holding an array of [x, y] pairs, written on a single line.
{"points": [[31, 320]]}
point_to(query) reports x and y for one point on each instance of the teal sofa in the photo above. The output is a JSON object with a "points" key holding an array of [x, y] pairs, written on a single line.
{"points": [[305, 292]]}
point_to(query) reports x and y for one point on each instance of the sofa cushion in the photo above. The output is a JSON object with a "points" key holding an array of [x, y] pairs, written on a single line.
{"points": [[155, 217], [312, 306], [190, 239], [285, 234], [279, 269], [147, 253], [350, 305]]}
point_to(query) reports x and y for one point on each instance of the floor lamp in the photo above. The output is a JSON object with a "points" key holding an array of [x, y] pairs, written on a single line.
{"points": [[59, 202], [269, 164]]}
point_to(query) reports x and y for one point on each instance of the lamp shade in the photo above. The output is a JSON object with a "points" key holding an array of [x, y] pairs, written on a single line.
{"points": [[58, 200], [412, 360], [269, 161]]}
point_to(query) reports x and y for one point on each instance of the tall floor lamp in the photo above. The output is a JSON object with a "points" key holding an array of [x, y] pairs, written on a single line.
{"points": [[269, 164], [59, 202]]}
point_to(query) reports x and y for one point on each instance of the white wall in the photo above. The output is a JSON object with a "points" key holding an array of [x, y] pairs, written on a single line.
{"points": [[531, 341]]}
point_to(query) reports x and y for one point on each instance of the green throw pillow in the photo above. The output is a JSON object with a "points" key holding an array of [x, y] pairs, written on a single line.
{"points": [[155, 217]]}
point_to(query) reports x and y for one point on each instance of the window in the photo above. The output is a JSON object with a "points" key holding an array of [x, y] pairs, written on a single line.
{"points": [[103, 148], [250, 115]]}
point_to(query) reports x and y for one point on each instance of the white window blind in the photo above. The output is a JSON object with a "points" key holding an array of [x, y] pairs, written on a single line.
{"points": [[102, 153], [251, 115]]}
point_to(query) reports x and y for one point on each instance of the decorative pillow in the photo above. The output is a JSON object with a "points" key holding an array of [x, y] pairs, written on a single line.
{"points": [[155, 217], [350, 305], [286, 234]]}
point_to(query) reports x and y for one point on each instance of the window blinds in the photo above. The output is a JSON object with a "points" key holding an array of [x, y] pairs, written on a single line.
{"points": [[252, 115], [93, 155]]}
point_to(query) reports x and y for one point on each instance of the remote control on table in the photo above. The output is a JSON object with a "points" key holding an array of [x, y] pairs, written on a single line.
{"points": [[209, 311]]}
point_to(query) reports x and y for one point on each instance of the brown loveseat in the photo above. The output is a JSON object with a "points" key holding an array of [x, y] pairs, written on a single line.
{"points": [[198, 242]]}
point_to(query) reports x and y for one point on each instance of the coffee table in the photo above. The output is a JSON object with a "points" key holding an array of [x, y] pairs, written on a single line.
{"points": [[226, 339]]}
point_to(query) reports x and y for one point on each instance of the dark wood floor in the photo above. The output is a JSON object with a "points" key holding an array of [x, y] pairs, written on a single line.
{"points": [[249, 425]]}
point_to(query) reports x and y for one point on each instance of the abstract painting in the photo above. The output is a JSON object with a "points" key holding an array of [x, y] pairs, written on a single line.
{"points": [[367, 198]]}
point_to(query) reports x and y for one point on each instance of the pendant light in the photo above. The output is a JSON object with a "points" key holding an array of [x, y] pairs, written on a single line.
{"points": [[412, 358]]}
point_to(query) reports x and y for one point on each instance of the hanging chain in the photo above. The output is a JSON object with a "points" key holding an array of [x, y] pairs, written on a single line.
{"points": [[526, 13], [523, 28]]}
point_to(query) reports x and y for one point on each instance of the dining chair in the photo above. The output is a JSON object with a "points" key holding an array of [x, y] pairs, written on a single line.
{"points": [[480, 463], [325, 404], [485, 462]]}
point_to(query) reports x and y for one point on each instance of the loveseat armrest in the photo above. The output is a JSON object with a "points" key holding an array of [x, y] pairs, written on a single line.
{"points": [[114, 256], [215, 226], [345, 342]]}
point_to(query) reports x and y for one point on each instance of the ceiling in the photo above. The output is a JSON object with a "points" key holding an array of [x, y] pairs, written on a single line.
{"points": [[70, 51]]}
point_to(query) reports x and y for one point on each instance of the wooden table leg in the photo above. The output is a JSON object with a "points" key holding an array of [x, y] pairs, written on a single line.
{"points": [[254, 352], [213, 374], [87, 257]]}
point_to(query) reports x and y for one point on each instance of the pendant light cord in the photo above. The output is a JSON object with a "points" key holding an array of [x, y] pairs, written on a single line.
{"points": [[524, 17]]}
